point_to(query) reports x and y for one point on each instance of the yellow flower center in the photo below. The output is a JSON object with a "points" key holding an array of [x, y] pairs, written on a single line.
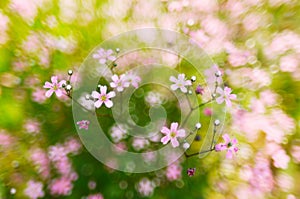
{"points": [[173, 134], [103, 98]]}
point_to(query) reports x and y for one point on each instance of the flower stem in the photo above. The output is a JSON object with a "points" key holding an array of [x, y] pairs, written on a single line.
{"points": [[198, 153]]}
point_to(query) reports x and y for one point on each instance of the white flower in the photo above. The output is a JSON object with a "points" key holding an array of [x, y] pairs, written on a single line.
{"points": [[180, 83]]}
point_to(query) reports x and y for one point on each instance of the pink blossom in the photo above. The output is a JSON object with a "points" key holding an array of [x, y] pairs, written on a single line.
{"points": [[289, 63], [139, 143], [34, 190], [173, 172], [54, 86], [207, 111], [26, 8], [41, 161], [32, 126], [238, 58], [118, 132], [133, 79], [225, 95], [191, 171], [103, 56], [57, 153], [261, 179], [285, 182], [199, 90], [180, 83], [63, 166], [61, 186], [95, 196], [281, 159], [172, 134], [210, 75], [72, 145], [229, 145], [103, 97], [119, 83], [145, 187], [5, 139], [83, 124], [39, 96], [296, 153]]}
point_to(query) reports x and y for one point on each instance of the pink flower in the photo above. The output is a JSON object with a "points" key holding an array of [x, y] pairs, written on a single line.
{"points": [[57, 153], [83, 124], [238, 58], [41, 161], [296, 153], [281, 159], [191, 171], [210, 75], [61, 186], [207, 111], [180, 83], [54, 86], [139, 143], [119, 83], [225, 95], [95, 196], [118, 132], [173, 172], [199, 90], [5, 139], [32, 126], [229, 145], [39, 96], [103, 97], [34, 190], [145, 187], [103, 56], [133, 79], [172, 134], [72, 145]]}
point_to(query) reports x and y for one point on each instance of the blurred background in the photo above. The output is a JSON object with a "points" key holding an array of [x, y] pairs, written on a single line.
{"points": [[256, 44]]}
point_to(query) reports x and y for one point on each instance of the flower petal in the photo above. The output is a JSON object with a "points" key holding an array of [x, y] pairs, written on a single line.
{"points": [[165, 130], [229, 154], [228, 102], [174, 87], [108, 103], [181, 133], [173, 79], [220, 91], [183, 89], [54, 79], [49, 93], [232, 97], [174, 127], [58, 93], [174, 142], [98, 103], [115, 78], [165, 139], [111, 94], [48, 85], [220, 100], [95, 94], [226, 138], [103, 90]]}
